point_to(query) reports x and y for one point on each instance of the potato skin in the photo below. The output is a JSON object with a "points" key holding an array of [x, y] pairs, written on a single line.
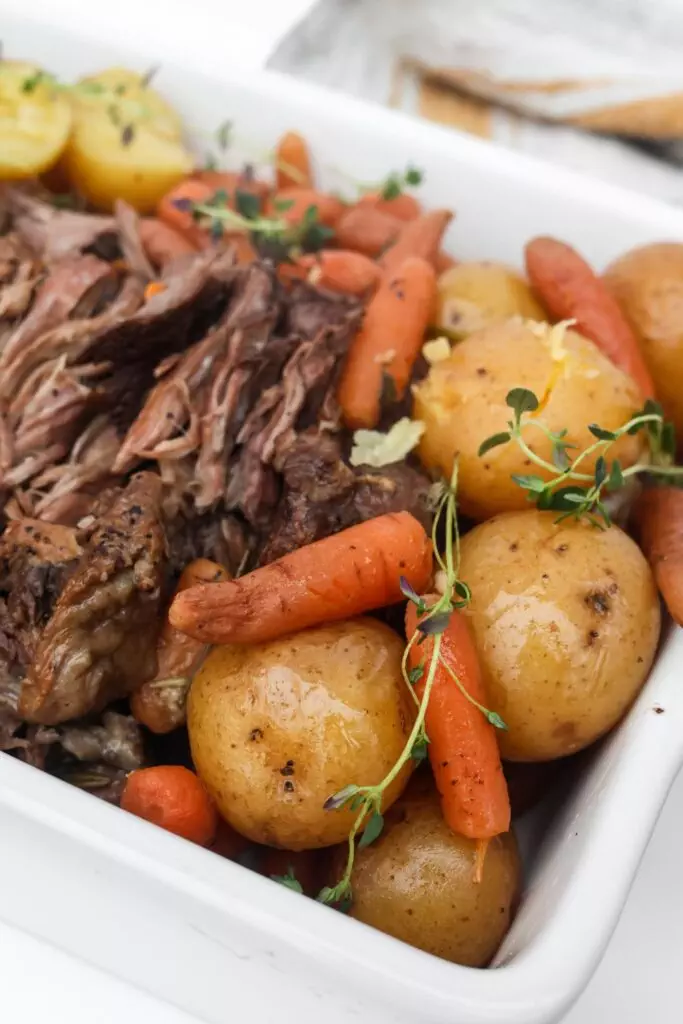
{"points": [[277, 728], [566, 620], [475, 295], [125, 143], [462, 402], [35, 121], [417, 883], [648, 285]]}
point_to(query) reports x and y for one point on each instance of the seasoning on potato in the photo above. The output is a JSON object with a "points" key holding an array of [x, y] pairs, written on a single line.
{"points": [[418, 882], [566, 620], [35, 120], [126, 142], [278, 727], [471, 296], [462, 402]]}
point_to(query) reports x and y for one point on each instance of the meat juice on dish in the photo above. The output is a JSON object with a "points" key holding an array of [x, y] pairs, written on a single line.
{"points": [[238, 410]]}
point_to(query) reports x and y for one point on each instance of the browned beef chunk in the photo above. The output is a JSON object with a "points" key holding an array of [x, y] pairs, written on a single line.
{"points": [[53, 234], [323, 495], [100, 643], [35, 561], [115, 740]]}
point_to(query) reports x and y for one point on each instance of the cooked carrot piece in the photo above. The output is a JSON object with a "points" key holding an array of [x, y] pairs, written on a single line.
{"points": [[363, 228], [341, 271], [420, 237], [154, 288], [570, 290], [463, 750], [193, 191], [444, 261], [329, 208], [293, 162], [163, 243], [173, 798], [659, 514], [230, 181], [388, 342], [403, 206], [343, 575], [160, 703]]}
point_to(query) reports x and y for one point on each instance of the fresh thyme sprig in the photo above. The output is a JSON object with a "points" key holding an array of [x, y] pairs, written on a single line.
{"points": [[366, 801], [571, 490], [289, 880], [273, 236]]}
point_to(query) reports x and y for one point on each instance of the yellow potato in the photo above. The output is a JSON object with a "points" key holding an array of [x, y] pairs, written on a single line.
{"points": [[566, 622], [474, 295], [275, 729], [417, 882], [126, 142], [648, 284], [462, 402], [35, 120]]}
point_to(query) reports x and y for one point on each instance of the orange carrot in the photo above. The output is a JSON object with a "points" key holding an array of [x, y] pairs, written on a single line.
{"points": [[388, 342], [160, 703], [174, 798], [154, 288], [341, 271], [462, 748], [420, 237], [293, 162], [343, 575], [570, 290], [181, 220], [362, 228], [659, 513], [242, 246], [403, 206], [329, 208], [163, 243], [444, 262], [230, 181]]}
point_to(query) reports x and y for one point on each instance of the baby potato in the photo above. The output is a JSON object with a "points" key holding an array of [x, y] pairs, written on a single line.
{"points": [[462, 402], [566, 621], [277, 728], [35, 120], [126, 142], [474, 295], [418, 883], [648, 285]]}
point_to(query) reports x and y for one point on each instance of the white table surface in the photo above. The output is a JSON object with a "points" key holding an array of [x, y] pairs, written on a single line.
{"points": [[638, 978]]}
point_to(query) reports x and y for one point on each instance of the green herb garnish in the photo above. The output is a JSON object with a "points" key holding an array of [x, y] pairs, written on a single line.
{"points": [[367, 800], [396, 183], [571, 490], [289, 880]]}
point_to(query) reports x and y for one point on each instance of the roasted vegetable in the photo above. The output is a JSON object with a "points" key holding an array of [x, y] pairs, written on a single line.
{"points": [[35, 120]]}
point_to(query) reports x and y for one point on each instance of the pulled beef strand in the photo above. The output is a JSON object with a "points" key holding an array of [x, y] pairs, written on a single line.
{"points": [[100, 642]]}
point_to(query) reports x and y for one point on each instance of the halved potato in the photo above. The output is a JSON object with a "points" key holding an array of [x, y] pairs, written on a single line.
{"points": [[35, 120], [126, 142], [475, 295]]}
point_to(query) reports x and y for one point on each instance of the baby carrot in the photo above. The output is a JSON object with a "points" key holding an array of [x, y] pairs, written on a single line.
{"points": [[343, 575], [163, 243], [230, 181], [462, 748], [659, 512], [388, 342], [570, 290], [181, 220], [363, 228], [174, 798], [420, 237], [444, 261], [329, 208], [293, 162], [403, 206], [341, 271], [160, 703]]}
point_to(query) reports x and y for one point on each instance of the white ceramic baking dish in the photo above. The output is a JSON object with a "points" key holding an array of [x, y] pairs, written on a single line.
{"points": [[210, 936]]}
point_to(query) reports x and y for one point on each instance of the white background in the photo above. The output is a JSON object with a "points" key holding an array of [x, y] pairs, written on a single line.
{"points": [[638, 979]]}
